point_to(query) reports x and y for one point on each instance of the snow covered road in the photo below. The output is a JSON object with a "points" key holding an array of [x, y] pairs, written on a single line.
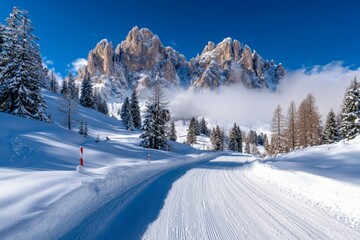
{"points": [[227, 197], [223, 199]]}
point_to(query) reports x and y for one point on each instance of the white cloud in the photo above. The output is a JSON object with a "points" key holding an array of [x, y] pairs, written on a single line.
{"points": [[252, 107], [77, 64]]}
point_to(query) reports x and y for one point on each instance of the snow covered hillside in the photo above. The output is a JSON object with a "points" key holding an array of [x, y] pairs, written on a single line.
{"points": [[40, 187], [182, 194]]}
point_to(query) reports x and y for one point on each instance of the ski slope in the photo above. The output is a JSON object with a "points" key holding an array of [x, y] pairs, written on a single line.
{"points": [[226, 198]]}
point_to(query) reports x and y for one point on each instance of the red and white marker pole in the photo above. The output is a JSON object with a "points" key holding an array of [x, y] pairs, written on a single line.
{"points": [[81, 156]]}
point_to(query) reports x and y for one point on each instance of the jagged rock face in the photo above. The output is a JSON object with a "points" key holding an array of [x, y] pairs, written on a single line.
{"points": [[100, 60], [141, 50], [235, 64], [141, 59]]}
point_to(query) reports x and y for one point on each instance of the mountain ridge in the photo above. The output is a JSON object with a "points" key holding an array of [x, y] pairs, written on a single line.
{"points": [[141, 59]]}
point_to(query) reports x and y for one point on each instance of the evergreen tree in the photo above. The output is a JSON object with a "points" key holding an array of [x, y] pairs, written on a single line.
{"points": [[247, 148], [267, 145], [135, 110], [64, 89], [2, 30], [203, 127], [100, 104], [73, 93], [191, 135], [85, 134], [54, 85], [81, 128], [331, 132], [129, 119], [350, 117], [217, 139], [21, 69], [235, 139], [172, 133], [239, 138], [125, 111], [86, 98], [156, 117], [253, 149], [102, 107], [197, 127], [252, 137]]}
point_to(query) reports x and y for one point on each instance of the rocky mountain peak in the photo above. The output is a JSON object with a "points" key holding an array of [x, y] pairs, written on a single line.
{"points": [[100, 59], [141, 59], [141, 50]]}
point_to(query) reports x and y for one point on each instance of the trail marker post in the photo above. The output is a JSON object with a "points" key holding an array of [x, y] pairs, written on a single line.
{"points": [[81, 156], [148, 157]]}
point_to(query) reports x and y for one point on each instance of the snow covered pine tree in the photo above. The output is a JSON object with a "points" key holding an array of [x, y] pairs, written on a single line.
{"points": [[156, 117], [21, 69], [350, 117]]}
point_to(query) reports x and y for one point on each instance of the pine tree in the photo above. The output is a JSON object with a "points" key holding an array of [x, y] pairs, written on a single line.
{"points": [[21, 69], [100, 104], [267, 145], [331, 132], [172, 133], [81, 128], [2, 30], [350, 117], [54, 85], [86, 98], [85, 134], [239, 138], [290, 128], [235, 139], [129, 119], [191, 135], [125, 110], [203, 126], [102, 107], [252, 137], [64, 89], [73, 93], [197, 127], [135, 110], [277, 130], [247, 148], [156, 117], [217, 139]]}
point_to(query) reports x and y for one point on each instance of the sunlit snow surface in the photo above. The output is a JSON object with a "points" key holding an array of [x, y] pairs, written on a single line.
{"points": [[182, 194]]}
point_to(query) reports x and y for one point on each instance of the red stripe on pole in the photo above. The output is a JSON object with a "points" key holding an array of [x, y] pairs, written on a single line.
{"points": [[81, 155]]}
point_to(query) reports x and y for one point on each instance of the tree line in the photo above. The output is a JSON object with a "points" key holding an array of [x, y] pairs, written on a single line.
{"points": [[302, 127]]}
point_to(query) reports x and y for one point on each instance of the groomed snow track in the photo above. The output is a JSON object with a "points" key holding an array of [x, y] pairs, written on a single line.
{"points": [[218, 199]]}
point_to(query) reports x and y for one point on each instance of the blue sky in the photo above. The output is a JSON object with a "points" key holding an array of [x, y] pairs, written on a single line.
{"points": [[301, 33]]}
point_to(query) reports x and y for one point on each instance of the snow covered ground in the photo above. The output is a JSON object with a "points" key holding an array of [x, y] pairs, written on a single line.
{"points": [[235, 197], [182, 194], [43, 196]]}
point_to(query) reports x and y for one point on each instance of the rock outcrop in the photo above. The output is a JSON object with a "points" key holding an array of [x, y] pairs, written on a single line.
{"points": [[231, 63], [141, 59]]}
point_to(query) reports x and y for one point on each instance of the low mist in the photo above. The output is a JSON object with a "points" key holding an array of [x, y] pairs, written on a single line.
{"points": [[254, 107]]}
